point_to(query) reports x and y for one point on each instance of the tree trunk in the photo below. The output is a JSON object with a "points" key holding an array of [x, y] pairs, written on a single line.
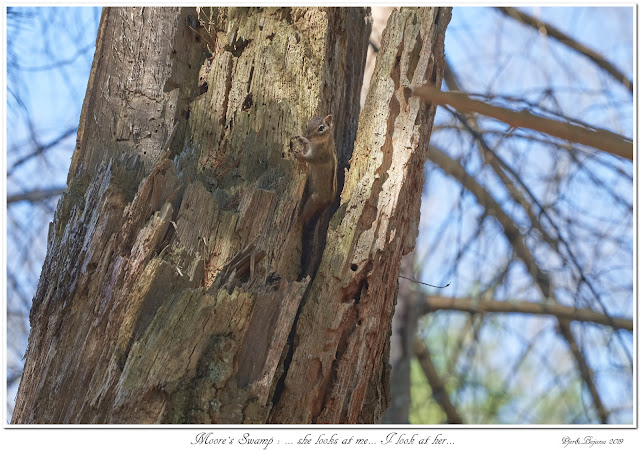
{"points": [[404, 327], [173, 288]]}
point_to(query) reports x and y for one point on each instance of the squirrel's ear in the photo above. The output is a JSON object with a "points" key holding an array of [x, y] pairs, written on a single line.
{"points": [[328, 119]]}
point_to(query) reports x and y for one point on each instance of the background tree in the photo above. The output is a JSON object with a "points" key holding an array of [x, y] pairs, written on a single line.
{"points": [[544, 228]]}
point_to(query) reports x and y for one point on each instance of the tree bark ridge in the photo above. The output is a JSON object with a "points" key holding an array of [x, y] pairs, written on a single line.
{"points": [[351, 298]]}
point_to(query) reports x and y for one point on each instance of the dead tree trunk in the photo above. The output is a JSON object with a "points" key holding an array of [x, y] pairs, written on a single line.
{"points": [[344, 349], [172, 287]]}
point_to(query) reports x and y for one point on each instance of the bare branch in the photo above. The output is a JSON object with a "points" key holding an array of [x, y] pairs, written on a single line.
{"points": [[35, 195], [40, 148], [592, 137], [471, 305], [438, 388], [516, 239], [499, 166], [564, 328], [57, 64], [511, 231], [553, 32]]}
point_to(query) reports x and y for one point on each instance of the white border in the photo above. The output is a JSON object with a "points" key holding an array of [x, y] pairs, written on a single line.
{"points": [[497, 437]]}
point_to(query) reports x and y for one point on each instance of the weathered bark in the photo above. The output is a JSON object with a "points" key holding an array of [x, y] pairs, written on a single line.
{"points": [[160, 299], [342, 346]]}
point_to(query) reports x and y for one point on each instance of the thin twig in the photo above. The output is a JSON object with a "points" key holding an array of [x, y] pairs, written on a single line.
{"points": [[423, 283], [35, 195], [553, 32]]}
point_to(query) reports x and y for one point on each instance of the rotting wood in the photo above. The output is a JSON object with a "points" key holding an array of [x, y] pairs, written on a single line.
{"points": [[342, 336], [127, 326]]}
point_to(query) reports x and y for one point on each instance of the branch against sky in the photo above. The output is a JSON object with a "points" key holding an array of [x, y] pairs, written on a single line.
{"points": [[596, 138], [434, 303], [36, 195], [43, 107], [551, 31], [567, 211]]}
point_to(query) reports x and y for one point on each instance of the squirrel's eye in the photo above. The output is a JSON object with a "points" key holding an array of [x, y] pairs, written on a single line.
{"points": [[321, 128]]}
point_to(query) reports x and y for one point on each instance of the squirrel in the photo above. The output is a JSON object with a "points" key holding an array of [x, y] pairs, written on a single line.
{"points": [[320, 154]]}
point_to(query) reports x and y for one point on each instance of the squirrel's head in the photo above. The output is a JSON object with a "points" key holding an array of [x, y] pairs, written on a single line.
{"points": [[319, 128]]}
